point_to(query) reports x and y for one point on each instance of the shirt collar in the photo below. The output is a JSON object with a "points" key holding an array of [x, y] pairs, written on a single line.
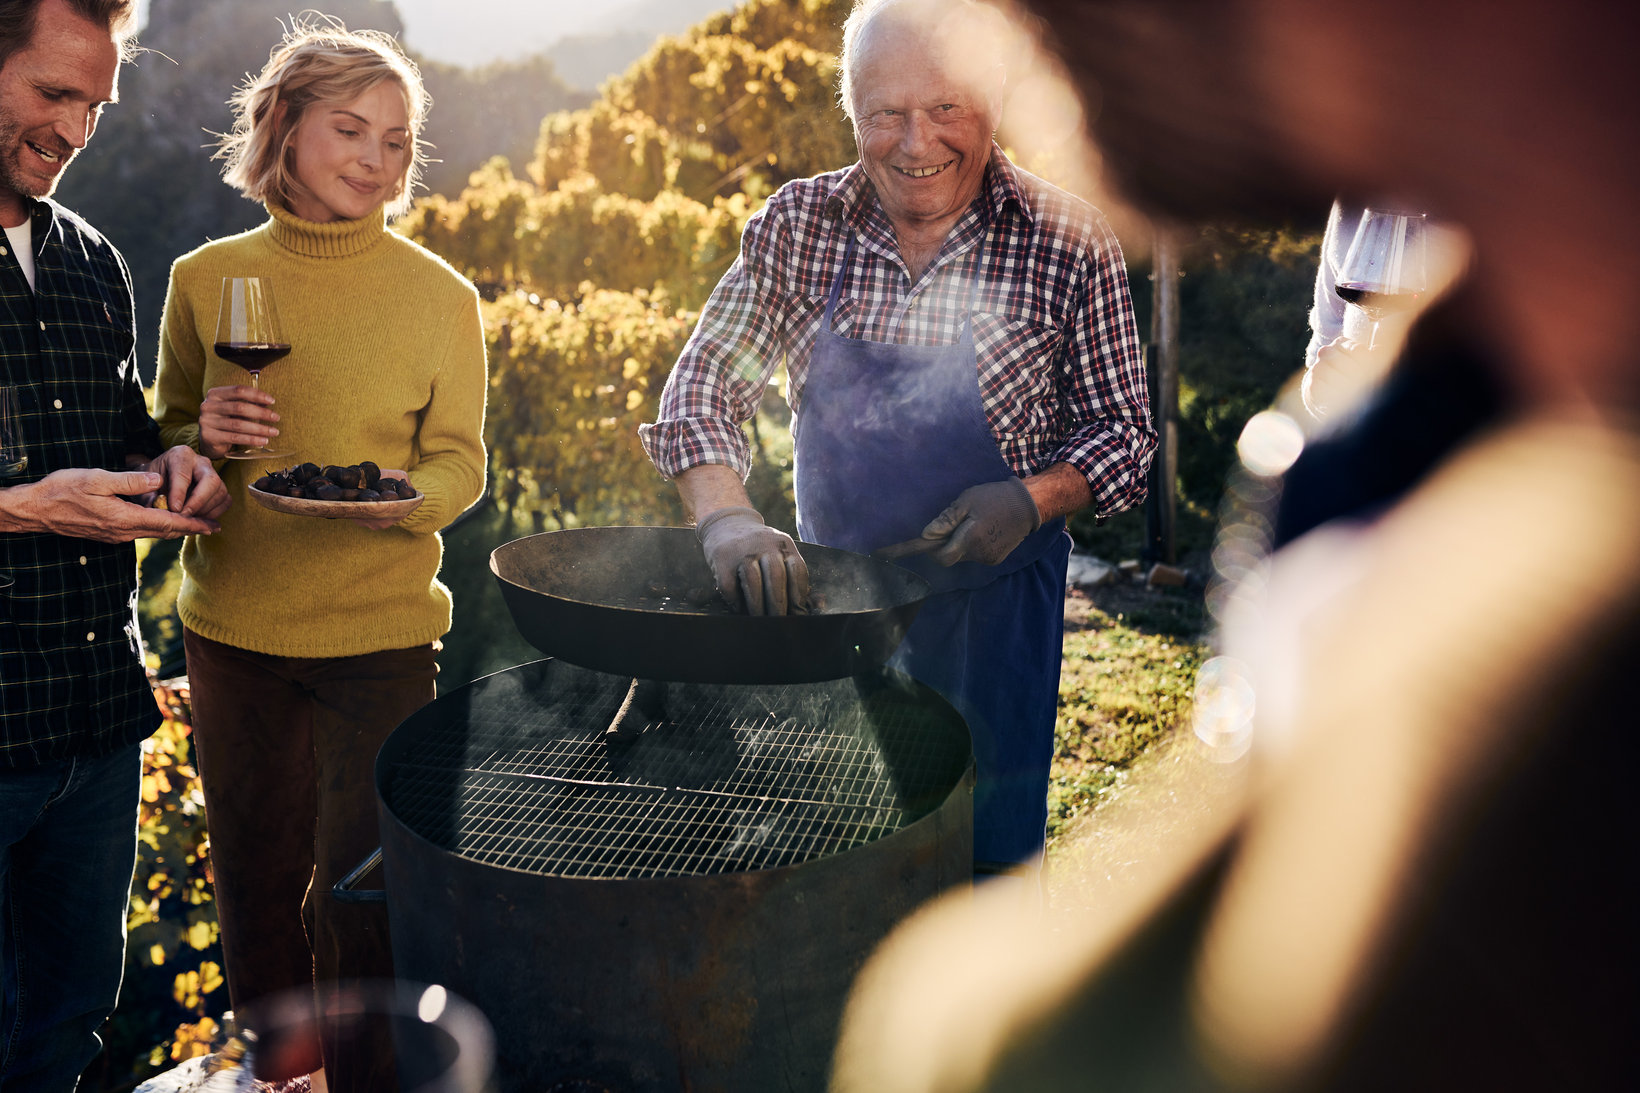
{"points": [[42, 215], [854, 196]]}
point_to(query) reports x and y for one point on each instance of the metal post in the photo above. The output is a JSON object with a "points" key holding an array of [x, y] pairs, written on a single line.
{"points": [[1162, 368]]}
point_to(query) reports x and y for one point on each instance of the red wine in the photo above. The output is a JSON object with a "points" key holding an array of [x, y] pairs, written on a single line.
{"points": [[1375, 303], [251, 356]]}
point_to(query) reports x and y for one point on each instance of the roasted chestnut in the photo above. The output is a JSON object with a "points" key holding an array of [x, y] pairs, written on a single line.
{"points": [[372, 473], [304, 472]]}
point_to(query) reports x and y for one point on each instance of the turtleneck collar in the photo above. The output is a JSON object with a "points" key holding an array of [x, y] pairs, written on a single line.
{"points": [[337, 239]]}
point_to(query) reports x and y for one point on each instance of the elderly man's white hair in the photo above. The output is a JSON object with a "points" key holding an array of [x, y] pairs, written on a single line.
{"points": [[973, 33]]}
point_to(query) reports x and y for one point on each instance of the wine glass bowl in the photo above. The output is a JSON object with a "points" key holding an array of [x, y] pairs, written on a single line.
{"points": [[1386, 269], [249, 334], [13, 453]]}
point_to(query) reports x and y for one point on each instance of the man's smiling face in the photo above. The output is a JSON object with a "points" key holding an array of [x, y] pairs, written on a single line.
{"points": [[51, 94], [924, 132]]}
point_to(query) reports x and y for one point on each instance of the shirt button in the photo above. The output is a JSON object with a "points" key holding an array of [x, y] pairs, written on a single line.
{"points": [[82, 559], [90, 635], [3, 250], [42, 324], [57, 402]]}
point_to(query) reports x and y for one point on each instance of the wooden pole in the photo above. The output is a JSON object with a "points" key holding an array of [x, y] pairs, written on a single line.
{"points": [[1162, 364]]}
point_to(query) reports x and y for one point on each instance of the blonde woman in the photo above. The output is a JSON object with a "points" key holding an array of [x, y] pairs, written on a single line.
{"points": [[309, 640]]}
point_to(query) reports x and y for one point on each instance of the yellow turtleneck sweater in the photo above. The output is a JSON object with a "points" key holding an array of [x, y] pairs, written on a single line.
{"points": [[386, 364]]}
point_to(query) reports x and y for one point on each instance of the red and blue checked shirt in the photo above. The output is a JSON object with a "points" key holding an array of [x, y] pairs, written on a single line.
{"points": [[1061, 372], [71, 678]]}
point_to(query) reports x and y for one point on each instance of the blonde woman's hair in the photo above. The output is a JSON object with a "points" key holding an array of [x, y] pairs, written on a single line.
{"points": [[318, 61]]}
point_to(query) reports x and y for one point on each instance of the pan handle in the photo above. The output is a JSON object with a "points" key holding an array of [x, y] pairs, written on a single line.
{"points": [[344, 892]]}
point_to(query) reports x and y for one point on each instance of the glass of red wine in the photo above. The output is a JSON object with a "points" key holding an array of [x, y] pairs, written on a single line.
{"points": [[1385, 271], [248, 334]]}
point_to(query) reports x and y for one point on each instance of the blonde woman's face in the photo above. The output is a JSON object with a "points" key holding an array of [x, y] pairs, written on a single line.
{"points": [[350, 156]]}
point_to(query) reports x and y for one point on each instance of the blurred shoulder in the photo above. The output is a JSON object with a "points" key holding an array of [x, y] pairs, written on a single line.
{"points": [[1059, 213]]}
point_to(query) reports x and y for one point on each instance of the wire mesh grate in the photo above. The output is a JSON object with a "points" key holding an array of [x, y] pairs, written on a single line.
{"points": [[727, 779]]}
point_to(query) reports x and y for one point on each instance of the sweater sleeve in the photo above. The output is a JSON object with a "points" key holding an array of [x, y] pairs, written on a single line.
{"points": [[179, 387], [450, 460]]}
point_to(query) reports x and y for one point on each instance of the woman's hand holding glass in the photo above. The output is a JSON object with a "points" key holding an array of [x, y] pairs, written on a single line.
{"points": [[236, 417]]}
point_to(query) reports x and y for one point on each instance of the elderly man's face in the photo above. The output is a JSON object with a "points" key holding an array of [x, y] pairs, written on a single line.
{"points": [[924, 132]]}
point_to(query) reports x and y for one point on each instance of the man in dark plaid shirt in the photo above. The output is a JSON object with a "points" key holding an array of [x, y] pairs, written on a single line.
{"points": [[74, 703], [964, 372]]}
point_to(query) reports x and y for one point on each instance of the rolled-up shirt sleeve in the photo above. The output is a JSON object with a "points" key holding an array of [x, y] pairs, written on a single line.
{"points": [[719, 380], [1103, 384]]}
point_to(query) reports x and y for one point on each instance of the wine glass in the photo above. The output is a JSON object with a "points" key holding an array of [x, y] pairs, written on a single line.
{"points": [[1386, 269], [248, 334], [13, 455]]}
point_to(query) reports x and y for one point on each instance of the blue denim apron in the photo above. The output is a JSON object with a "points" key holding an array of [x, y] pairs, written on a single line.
{"points": [[887, 436]]}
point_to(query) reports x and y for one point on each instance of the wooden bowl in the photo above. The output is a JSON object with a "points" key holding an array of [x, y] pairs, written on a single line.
{"points": [[336, 510]]}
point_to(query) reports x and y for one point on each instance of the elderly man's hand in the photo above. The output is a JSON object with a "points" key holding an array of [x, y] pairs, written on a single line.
{"points": [[757, 568], [91, 504], [984, 524], [191, 486]]}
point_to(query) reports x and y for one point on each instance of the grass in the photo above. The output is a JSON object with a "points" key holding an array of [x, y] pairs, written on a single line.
{"points": [[1131, 656]]}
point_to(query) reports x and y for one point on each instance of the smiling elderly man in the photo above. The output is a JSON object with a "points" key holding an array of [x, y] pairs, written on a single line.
{"points": [[964, 373]]}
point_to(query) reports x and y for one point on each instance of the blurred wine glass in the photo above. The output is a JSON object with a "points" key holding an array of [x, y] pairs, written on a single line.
{"points": [[13, 454], [248, 333], [437, 1041], [1386, 270]]}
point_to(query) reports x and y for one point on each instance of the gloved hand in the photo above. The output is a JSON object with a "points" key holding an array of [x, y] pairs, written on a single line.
{"points": [[757, 568], [984, 524]]}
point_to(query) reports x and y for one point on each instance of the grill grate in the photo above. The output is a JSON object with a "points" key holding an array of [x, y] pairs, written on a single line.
{"points": [[519, 774]]}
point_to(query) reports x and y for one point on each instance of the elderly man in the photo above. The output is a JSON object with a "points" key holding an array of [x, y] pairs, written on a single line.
{"points": [[964, 373], [74, 703], [1434, 883]]}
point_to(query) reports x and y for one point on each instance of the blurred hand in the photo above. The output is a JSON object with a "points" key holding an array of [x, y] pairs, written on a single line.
{"points": [[189, 484], [984, 524], [757, 568], [235, 415], [91, 504], [1335, 378]]}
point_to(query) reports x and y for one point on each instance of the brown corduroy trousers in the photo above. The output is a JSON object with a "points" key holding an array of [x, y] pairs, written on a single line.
{"points": [[286, 749]]}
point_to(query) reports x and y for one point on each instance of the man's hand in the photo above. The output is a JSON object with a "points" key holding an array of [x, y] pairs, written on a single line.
{"points": [[757, 568], [235, 415], [91, 504], [1336, 378], [984, 524], [190, 485]]}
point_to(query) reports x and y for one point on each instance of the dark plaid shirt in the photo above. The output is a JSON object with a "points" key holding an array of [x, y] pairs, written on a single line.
{"points": [[1061, 373], [71, 677]]}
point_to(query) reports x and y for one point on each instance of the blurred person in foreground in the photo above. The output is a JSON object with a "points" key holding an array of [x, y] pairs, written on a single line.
{"points": [[75, 703], [308, 641], [1432, 882], [964, 372]]}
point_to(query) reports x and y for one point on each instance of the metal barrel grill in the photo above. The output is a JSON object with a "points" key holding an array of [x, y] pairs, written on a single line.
{"points": [[679, 905]]}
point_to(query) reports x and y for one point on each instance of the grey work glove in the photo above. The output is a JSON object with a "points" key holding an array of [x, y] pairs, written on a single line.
{"points": [[984, 524], [757, 568]]}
